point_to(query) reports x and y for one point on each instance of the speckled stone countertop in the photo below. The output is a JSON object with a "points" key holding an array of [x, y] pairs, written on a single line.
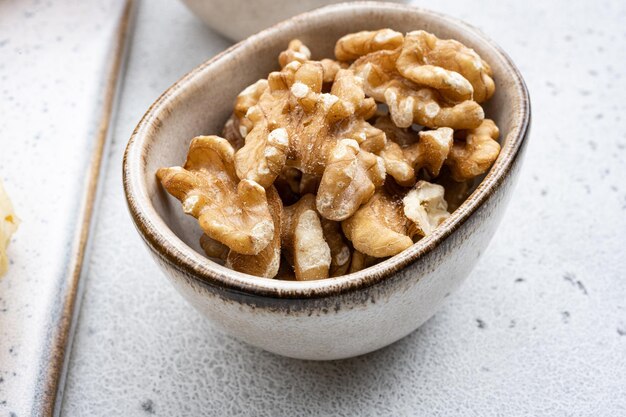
{"points": [[58, 70], [539, 328]]}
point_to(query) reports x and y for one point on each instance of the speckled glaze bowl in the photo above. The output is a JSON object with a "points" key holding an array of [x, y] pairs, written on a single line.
{"points": [[338, 317]]}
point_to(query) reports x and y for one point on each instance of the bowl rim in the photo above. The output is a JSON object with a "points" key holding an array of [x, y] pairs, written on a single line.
{"points": [[169, 247]]}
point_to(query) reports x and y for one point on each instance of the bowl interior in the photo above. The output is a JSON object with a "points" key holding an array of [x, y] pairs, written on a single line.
{"points": [[201, 102]]}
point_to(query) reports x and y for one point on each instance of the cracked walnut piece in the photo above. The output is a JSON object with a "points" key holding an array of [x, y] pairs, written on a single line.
{"points": [[350, 179], [213, 248], [427, 149], [425, 206], [387, 223], [297, 51], [409, 102], [303, 240], [266, 262], [8, 225], [295, 124], [476, 154], [340, 253], [450, 67], [361, 261], [355, 45], [379, 228], [233, 212]]}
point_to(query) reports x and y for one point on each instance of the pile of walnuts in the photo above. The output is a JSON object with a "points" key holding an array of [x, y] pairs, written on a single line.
{"points": [[326, 167]]}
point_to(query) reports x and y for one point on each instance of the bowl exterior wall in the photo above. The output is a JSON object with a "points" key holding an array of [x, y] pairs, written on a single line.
{"points": [[355, 323]]}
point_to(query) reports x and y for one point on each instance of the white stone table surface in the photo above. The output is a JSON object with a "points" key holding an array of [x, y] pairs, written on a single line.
{"points": [[59, 65], [539, 328]]}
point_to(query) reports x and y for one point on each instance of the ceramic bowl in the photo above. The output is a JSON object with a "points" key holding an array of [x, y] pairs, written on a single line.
{"points": [[238, 19], [338, 317]]}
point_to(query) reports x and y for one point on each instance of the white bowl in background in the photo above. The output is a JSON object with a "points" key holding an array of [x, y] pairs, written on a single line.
{"points": [[238, 19]]}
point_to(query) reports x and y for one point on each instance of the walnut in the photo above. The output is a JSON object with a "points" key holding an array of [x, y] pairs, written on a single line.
{"points": [[431, 150], [425, 206], [213, 248], [296, 51], [475, 155], [361, 261], [387, 223], [409, 103], [331, 68], [266, 262], [249, 97], [348, 88], [379, 228], [340, 253], [263, 156], [352, 102], [426, 149], [362, 43], [397, 165], [232, 132], [452, 68], [8, 225], [414, 64], [307, 126], [350, 179], [233, 212], [303, 240], [402, 136]]}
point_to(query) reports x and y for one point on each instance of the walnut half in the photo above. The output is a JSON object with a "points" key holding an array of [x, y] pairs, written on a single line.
{"points": [[379, 228], [233, 212], [266, 262], [387, 223], [446, 65], [350, 178], [303, 240], [427, 149], [473, 156], [410, 102], [426, 207], [355, 45]]}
